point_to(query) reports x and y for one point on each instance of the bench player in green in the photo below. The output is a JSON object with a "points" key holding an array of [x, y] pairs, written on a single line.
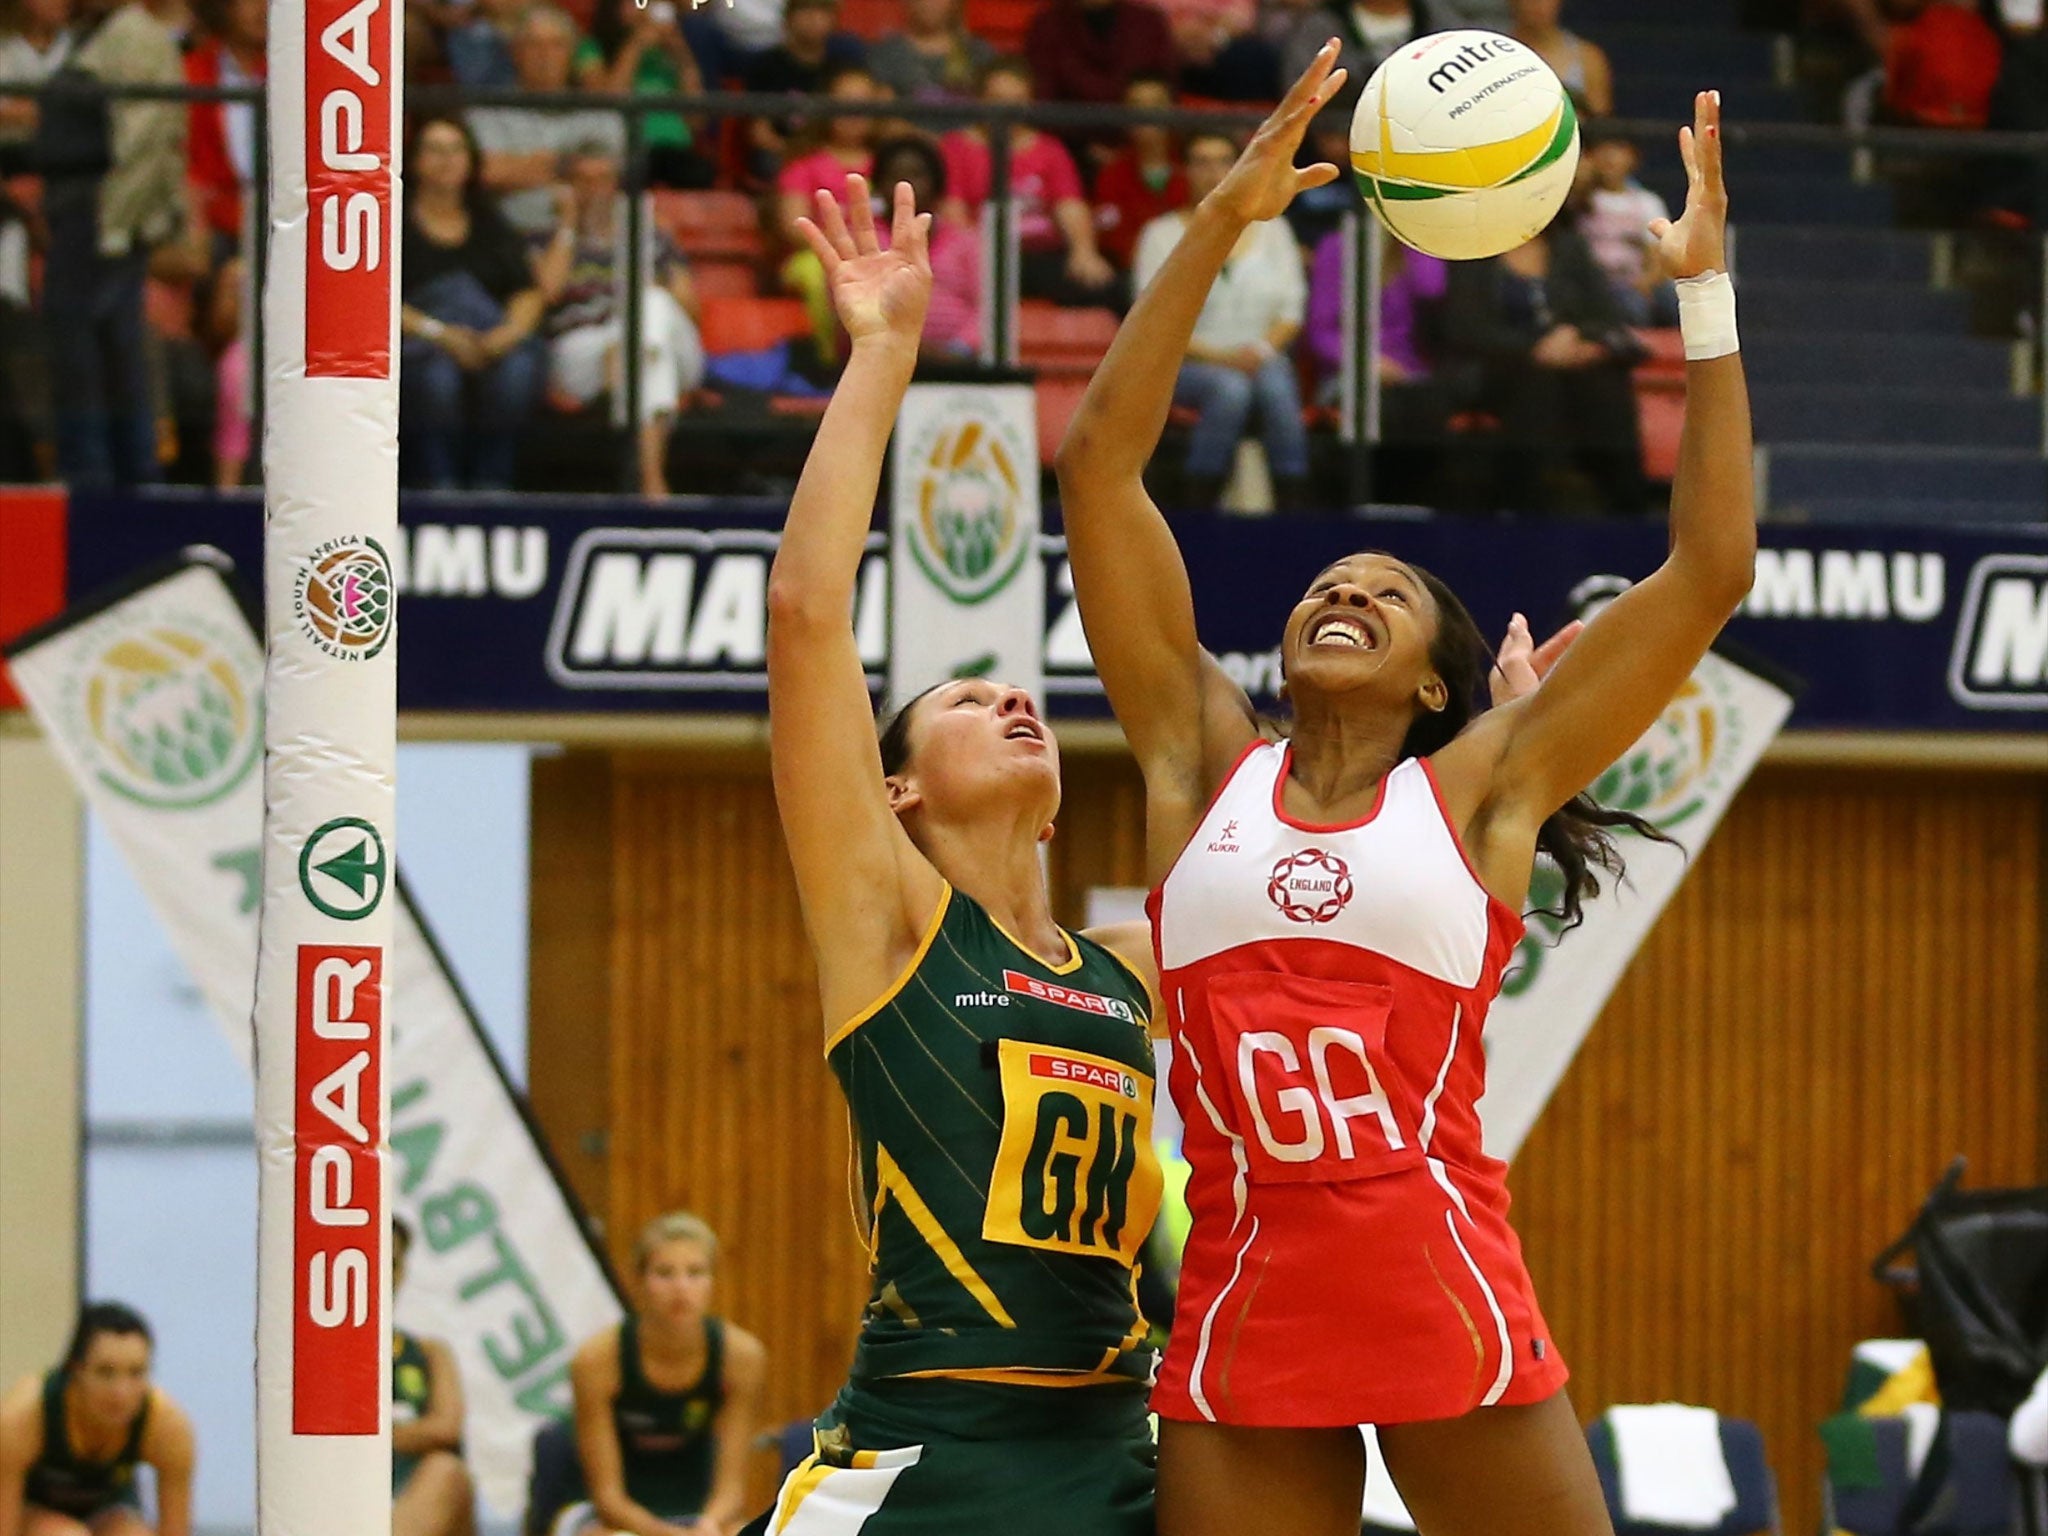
{"points": [[71, 1440], [431, 1490], [998, 1067]]}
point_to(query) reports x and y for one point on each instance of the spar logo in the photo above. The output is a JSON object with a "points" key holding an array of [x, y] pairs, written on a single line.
{"points": [[351, 53], [1087, 1071], [168, 710], [1311, 886], [337, 1215], [344, 598], [2000, 660], [343, 868], [968, 530], [1018, 983]]}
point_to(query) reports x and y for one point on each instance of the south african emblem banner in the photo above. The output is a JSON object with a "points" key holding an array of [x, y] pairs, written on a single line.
{"points": [[1680, 777], [966, 593]]}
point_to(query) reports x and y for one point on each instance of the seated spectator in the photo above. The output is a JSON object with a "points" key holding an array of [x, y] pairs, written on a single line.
{"points": [[1241, 355], [526, 149], [1219, 52], [431, 1491], [1615, 218], [471, 368], [1581, 67], [220, 165], [105, 221], [479, 48], [1368, 30], [1411, 286], [24, 359], [35, 40], [1091, 50], [2019, 104], [640, 50], [71, 1439], [1140, 181], [582, 278], [749, 27], [1941, 65], [667, 1401], [1058, 258], [823, 155], [1543, 341], [934, 57], [811, 48], [952, 321], [1317, 211]]}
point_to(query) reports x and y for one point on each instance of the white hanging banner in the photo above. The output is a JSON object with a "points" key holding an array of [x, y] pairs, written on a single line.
{"points": [[1681, 777], [966, 588], [152, 700]]}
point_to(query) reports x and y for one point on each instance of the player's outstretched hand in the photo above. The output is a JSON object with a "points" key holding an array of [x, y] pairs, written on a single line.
{"points": [[878, 293], [1265, 180], [1698, 242], [1523, 664]]}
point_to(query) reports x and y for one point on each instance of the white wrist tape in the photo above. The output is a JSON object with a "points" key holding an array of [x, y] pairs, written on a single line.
{"points": [[1706, 316]]}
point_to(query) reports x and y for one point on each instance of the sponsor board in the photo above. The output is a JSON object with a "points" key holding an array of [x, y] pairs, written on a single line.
{"points": [[337, 1212], [1019, 984], [553, 607], [350, 53]]}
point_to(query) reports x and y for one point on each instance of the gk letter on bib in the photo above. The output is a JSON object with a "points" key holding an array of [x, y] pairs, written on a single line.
{"points": [[1075, 1172], [1308, 1088], [349, 56], [338, 1187]]}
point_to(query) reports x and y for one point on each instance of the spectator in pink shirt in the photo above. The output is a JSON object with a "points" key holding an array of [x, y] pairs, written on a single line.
{"points": [[825, 155], [1058, 256], [952, 322]]}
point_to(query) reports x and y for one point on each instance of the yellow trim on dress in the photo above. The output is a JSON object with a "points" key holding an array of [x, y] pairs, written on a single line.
{"points": [[809, 1475], [1022, 1376], [912, 1205], [924, 945], [1066, 967]]}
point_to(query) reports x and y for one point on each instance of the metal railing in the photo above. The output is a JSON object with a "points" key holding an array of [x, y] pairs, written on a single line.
{"points": [[1360, 388]]}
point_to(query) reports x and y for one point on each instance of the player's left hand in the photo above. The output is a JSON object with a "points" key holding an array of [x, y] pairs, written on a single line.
{"points": [[878, 293], [1523, 664], [1698, 242], [1265, 180]]}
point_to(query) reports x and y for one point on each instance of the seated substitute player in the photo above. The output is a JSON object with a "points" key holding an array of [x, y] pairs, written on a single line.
{"points": [[431, 1491], [70, 1440]]}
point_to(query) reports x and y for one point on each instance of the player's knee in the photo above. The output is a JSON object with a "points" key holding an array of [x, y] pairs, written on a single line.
{"points": [[47, 1522]]}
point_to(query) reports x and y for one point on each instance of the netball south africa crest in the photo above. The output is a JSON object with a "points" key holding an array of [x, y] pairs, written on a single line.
{"points": [[968, 532], [344, 599]]}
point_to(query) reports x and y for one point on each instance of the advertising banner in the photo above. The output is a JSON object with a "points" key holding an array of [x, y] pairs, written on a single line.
{"points": [[152, 699]]}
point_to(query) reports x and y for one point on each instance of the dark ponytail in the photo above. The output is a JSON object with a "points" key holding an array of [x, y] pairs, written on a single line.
{"points": [[1578, 837]]}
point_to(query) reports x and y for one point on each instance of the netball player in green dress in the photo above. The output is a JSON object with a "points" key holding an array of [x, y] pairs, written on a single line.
{"points": [[71, 1440]]}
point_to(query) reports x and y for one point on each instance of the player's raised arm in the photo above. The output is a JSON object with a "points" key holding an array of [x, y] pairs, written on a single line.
{"points": [[866, 892], [1129, 578], [1619, 676]]}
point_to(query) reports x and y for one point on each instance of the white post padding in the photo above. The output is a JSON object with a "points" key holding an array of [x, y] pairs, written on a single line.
{"points": [[323, 996]]}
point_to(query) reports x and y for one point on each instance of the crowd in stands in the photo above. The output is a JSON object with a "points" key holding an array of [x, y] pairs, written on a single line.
{"points": [[132, 362]]}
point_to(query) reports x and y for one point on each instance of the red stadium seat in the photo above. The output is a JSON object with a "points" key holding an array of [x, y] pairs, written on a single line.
{"points": [[717, 279], [1660, 412], [1063, 340], [750, 324], [870, 18], [1667, 353], [1002, 22], [1058, 399], [725, 224]]}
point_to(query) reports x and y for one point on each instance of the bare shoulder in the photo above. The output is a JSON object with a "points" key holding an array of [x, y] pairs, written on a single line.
{"points": [[1465, 770], [21, 1421], [596, 1361], [746, 1357], [169, 1442]]}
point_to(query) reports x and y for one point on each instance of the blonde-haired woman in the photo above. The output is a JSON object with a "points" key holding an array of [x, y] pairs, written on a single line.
{"points": [[667, 1401]]}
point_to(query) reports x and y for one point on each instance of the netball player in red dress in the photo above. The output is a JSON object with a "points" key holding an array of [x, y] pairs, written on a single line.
{"points": [[1332, 915]]}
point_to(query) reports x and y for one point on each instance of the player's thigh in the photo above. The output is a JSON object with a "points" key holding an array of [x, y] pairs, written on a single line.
{"points": [[47, 1522], [1227, 1479], [1522, 1471]]}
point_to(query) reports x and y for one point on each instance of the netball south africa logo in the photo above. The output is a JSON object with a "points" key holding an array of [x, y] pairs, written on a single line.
{"points": [[168, 712], [969, 535], [1311, 886], [1671, 773], [344, 599]]}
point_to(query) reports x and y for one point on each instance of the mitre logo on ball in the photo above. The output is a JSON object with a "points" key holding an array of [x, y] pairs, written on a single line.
{"points": [[345, 599]]}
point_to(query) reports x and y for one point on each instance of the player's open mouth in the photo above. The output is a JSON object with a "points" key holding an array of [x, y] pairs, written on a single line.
{"points": [[1343, 630], [1025, 730]]}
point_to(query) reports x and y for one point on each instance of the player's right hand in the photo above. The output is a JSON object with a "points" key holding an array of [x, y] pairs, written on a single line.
{"points": [[1264, 180], [879, 294]]}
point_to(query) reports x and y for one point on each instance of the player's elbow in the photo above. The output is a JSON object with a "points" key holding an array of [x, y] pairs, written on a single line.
{"points": [[796, 605]]}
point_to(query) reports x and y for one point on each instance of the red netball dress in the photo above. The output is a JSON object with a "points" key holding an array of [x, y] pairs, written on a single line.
{"points": [[1326, 987]]}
